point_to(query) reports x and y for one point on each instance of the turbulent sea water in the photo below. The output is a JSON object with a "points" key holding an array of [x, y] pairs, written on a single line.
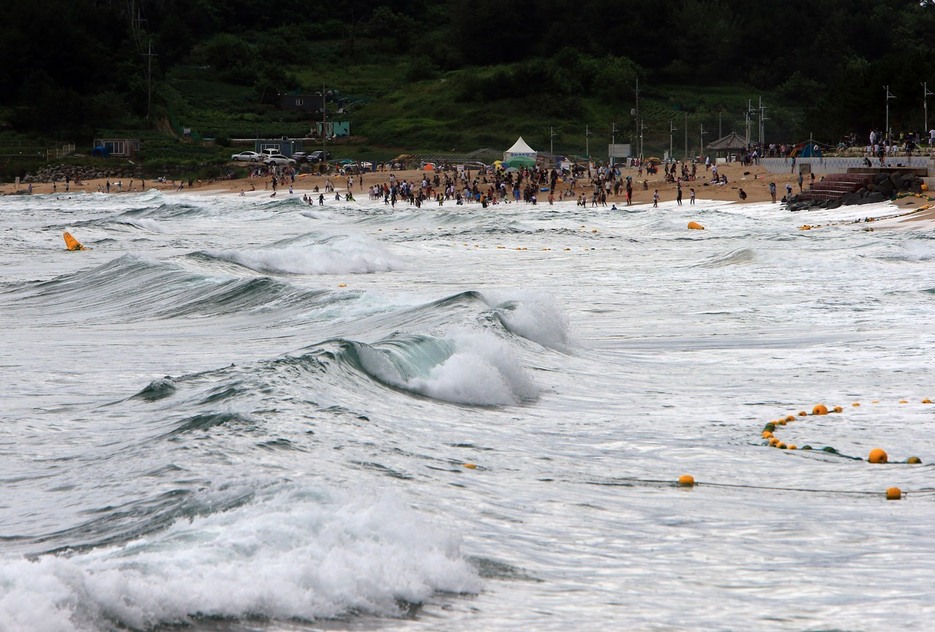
{"points": [[246, 413]]}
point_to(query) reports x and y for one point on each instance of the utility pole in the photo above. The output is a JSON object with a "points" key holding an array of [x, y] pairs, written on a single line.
{"points": [[613, 143], [324, 124], [149, 78], [701, 138], [587, 145], [685, 155], [888, 97], [748, 120], [552, 135], [925, 104], [762, 110], [639, 121], [671, 129]]}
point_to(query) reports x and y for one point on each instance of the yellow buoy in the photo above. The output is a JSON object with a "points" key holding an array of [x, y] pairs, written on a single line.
{"points": [[926, 401], [686, 480], [894, 493], [820, 409], [470, 466], [913, 460], [802, 413], [837, 409], [790, 417], [71, 243], [695, 226], [877, 455]]}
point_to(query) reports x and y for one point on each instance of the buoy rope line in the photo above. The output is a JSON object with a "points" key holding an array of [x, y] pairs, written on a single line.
{"points": [[877, 455], [686, 480]]}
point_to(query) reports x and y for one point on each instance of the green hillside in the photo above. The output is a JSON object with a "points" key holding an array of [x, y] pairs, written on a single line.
{"points": [[455, 75]]}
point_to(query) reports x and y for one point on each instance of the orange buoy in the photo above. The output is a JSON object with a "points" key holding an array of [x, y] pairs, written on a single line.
{"points": [[914, 460], [877, 455], [695, 226], [820, 409], [686, 480], [894, 493], [71, 243]]}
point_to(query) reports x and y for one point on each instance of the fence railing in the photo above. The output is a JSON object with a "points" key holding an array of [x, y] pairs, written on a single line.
{"points": [[60, 152], [836, 164]]}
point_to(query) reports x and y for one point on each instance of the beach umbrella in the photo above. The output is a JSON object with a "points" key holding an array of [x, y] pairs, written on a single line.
{"points": [[428, 167]]}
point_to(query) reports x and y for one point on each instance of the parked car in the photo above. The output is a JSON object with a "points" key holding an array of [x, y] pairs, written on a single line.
{"points": [[278, 159], [247, 156], [300, 156], [319, 156]]}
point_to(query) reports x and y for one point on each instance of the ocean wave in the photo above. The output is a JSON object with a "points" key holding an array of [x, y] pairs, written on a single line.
{"points": [[736, 257], [534, 316], [354, 254], [471, 368], [131, 288], [289, 554]]}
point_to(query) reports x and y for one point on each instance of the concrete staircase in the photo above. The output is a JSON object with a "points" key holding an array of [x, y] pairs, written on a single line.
{"points": [[835, 186]]}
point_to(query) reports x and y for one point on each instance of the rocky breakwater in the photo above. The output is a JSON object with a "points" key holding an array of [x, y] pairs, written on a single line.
{"points": [[59, 173], [856, 188]]}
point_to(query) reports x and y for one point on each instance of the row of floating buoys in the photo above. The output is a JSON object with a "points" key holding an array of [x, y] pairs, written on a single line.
{"points": [[876, 455]]}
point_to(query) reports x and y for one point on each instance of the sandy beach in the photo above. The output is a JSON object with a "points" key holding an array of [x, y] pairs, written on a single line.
{"points": [[754, 180]]}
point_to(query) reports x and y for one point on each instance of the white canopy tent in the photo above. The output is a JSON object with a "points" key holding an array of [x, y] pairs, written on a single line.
{"points": [[519, 148]]}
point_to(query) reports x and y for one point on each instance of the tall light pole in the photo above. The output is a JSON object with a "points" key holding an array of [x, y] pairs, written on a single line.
{"points": [[926, 93], [671, 129], [639, 122], [587, 146], [613, 143], [701, 136], [324, 124], [685, 127], [551, 136], [887, 132], [761, 130], [747, 117]]}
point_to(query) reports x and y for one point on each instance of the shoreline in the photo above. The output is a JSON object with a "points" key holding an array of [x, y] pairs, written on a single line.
{"points": [[754, 180]]}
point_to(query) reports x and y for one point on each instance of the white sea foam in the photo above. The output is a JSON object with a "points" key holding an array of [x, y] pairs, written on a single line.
{"points": [[353, 254], [533, 315], [291, 555]]}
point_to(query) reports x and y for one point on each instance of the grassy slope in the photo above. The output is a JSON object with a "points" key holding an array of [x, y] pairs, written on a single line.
{"points": [[391, 114]]}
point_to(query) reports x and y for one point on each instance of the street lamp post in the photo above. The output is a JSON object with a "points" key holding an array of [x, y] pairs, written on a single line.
{"points": [[685, 127], [926, 93], [587, 145], [701, 136], [613, 143], [672, 128], [889, 96]]}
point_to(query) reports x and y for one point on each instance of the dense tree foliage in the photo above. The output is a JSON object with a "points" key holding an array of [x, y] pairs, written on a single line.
{"points": [[73, 65]]}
